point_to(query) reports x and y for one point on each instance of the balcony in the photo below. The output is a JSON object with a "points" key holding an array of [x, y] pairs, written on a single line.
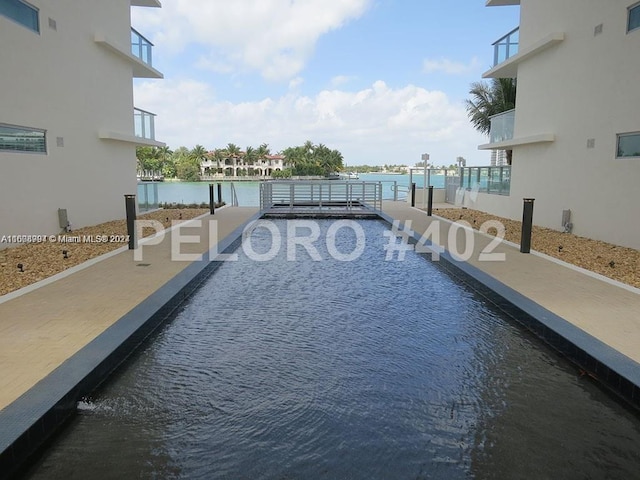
{"points": [[509, 54], [506, 47], [502, 136], [138, 54], [143, 128], [502, 126], [144, 124], [141, 47]]}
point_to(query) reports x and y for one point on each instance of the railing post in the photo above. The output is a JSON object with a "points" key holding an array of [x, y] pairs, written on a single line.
{"points": [[395, 190], [413, 194], [527, 224], [219, 193], [430, 202], [130, 209], [212, 207]]}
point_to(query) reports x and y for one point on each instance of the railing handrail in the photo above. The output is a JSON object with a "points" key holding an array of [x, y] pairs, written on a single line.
{"points": [[506, 36], [319, 193], [136, 109], [502, 113], [141, 36]]}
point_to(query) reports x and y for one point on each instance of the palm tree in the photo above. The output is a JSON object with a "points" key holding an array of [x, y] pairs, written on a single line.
{"points": [[219, 155], [488, 100]]}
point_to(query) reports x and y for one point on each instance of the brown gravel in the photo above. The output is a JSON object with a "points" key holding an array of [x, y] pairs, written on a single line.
{"points": [[44, 259], [619, 263]]}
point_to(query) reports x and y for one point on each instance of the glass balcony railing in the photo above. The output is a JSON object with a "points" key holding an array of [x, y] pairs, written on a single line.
{"points": [[144, 124], [492, 180], [506, 46], [141, 47], [502, 126]]}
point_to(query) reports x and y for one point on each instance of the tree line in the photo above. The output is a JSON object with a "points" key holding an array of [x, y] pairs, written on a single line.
{"points": [[185, 164]]}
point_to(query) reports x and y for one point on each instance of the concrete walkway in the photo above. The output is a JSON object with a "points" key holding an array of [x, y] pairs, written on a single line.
{"points": [[41, 329]]}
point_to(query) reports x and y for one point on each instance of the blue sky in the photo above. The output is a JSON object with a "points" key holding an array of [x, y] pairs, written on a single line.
{"points": [[383, 81]]}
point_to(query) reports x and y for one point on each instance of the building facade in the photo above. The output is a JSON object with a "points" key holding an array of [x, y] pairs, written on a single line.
{"points": [[241, 167], [575, 131], [68, 127]]}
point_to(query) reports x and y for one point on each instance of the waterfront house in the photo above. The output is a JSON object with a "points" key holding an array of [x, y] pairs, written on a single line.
{"points": [[68, 126], [239, 166]]}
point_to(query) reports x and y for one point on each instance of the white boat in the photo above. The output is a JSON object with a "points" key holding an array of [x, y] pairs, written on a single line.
{"points": [[349, 176]]}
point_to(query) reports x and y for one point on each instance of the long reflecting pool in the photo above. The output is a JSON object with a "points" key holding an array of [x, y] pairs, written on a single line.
{"points": [[303, 369]]}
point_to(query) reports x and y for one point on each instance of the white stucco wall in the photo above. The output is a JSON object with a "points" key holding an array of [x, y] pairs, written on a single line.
{"points": [[584, 88], [65, 83]]}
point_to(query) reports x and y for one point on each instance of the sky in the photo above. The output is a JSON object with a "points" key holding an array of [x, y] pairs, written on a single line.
{"points": [[382, 81]]}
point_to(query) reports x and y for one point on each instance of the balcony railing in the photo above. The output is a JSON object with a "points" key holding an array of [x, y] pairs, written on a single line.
{"points": [[141, 47], [502, 126], [492, 180], [144, 124], [506, 46]]}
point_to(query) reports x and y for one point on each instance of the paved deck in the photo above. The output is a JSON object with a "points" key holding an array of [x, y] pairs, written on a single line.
{"points": [[41, 329]]}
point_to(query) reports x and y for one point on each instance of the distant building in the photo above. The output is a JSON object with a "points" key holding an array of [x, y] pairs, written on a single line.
{"points": [[68, 127], [238, 166], [575, 131]]}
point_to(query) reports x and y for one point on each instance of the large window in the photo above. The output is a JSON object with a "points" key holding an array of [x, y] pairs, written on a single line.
{"points": [[21, 12], [22, 139], [628, 145], [634, 17]]}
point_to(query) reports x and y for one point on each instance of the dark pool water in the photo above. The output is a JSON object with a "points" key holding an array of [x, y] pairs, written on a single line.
{"points": [[369, 369]]}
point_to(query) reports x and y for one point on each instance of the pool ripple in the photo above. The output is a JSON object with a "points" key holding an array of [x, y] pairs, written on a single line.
{"points": [[366, 369]]}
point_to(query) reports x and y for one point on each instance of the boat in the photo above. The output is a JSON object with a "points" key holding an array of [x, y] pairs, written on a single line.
{"points": [[349, 176]]}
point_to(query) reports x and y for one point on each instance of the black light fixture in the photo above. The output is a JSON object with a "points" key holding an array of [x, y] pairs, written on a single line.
{"points": [[560, 248], [20, 267], [65, 254]]}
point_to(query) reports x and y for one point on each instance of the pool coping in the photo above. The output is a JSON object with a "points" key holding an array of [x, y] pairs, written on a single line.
{"points": [[31, 420]]}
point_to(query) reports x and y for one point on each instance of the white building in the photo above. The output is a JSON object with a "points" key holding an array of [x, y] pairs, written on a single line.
{"points": [[68, 128], [239, 166], [575, 131]]}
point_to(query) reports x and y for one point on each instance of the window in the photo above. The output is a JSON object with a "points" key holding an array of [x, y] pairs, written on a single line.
{"points": [[22, 139], [634, 18], [628, 145], [20, 12]]}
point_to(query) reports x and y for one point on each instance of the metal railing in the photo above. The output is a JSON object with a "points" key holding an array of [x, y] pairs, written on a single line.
{"points": [[141, 47], [502, 126], [493, 180], [506, 47], [234, 195], [144, 124], [321, 194]]}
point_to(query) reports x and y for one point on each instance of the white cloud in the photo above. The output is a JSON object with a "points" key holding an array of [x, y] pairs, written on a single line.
{"points": [[375, 125], [450, 67], [295, 82], [274, 37], [341, 80]]}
